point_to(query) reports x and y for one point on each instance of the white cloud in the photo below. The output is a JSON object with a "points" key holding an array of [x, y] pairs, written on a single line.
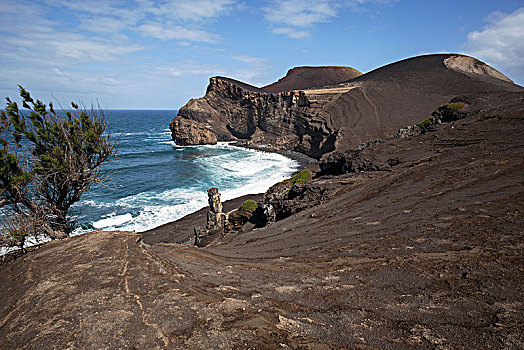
{"points": [[254, 68], [78, 31], [102, 24], [286, 14], [292, 32], [250, 59], [300, 13], [175, 32], [185, 68], [296, 18], [501, 42], [84, 49], [60, 48], [193, 10], [98, 7], [166, 20]]}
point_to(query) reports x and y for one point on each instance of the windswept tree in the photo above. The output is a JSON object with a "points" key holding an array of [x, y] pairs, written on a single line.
{"points": [[48, 159]]}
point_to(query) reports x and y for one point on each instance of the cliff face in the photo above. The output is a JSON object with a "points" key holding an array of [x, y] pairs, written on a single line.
{"points": [[233, 111], [316, 121]]}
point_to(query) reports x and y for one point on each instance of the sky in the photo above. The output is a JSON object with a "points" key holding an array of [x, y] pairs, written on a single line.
{"points": [[147, 54]]}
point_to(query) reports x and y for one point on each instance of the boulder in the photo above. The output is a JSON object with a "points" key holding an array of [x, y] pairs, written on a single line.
{"points": [[236, 219]]}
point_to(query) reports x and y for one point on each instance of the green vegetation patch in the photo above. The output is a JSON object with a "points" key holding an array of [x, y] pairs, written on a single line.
{"points": [[426, 122], [455, 106], [249, 205], [299, 178], [442, 110]]}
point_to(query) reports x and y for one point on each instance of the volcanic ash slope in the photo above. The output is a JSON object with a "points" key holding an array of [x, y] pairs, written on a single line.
{"points": [[315, 119], [423, 253]]}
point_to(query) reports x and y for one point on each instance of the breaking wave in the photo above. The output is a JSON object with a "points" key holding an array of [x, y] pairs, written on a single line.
{"points": [[156, 182]]}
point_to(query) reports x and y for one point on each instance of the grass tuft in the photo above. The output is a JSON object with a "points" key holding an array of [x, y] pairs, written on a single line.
{"points": [[300, 178]]}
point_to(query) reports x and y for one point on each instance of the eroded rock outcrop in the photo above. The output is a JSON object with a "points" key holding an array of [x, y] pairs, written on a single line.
{"points": [[245, 218], [187, 133], [282, 201], [220, 224], [233, 110], [338, 117], [215, 220]]}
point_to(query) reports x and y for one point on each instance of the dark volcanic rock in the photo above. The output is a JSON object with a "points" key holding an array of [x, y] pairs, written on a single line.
{"points": [[214, 229], [236, 220], [361, 159], [339, 117], [181, 230], [185, 132], [220, 224], [425, 256], [353, 161], [283, 200]]}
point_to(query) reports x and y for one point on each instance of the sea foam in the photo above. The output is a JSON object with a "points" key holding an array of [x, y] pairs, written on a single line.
{"points": [[112, 221], [236, 173], [155, 182]]}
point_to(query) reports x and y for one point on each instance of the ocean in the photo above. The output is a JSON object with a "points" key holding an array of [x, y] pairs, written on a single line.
{"points": [[155, 182]]}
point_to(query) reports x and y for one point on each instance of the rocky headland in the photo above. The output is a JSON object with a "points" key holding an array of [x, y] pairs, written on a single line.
{"points": [[406, 238], [316, 119]]}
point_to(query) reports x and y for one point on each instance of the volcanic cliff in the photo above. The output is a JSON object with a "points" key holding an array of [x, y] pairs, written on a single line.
{"points": [[298, 113]]}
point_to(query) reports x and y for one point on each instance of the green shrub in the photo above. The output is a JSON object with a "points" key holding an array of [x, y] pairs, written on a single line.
{"points": [[249, 205], [48, 159], [299, 178], [455, 106]]}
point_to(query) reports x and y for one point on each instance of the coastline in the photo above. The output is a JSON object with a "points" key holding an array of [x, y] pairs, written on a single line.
{"points": [[302, 159], [180, 231]]}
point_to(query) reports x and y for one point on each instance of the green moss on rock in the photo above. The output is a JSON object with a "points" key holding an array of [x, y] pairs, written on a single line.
{"points": [[455, 106], [426, 121], [249, 205], [299, 178], [442, 112]]}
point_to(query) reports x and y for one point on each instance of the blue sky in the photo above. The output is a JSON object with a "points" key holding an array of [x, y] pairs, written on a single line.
{"points": [[147, 54]]}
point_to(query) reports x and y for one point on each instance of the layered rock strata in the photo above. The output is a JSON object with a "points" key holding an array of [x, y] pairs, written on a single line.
{"points": [[192, 133], [338, 117]]}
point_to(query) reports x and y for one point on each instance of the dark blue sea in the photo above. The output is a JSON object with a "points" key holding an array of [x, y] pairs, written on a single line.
{"points": [[155, 182]]}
